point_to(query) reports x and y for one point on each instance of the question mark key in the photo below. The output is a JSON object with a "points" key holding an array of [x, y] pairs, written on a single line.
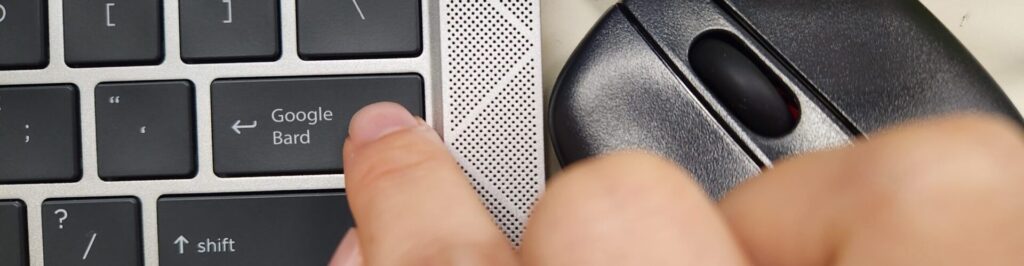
{"points": [[103, 231]]}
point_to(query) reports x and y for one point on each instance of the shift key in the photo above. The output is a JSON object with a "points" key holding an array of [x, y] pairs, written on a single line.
{"points": [[253, 230], [295, 126]]}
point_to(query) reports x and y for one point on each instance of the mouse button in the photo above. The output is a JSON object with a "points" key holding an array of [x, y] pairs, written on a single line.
{"points": [[756, 97], [673, 25], [615, 94], [877, 62]]}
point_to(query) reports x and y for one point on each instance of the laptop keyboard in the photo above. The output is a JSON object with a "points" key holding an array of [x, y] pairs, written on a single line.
{"points": [[192, 132]]}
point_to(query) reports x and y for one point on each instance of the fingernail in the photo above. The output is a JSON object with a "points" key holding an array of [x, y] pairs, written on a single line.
{"points": [[348, 253], [378, 120]]}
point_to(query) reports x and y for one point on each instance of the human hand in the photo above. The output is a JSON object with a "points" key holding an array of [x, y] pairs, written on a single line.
{"points": [[938, 192]]}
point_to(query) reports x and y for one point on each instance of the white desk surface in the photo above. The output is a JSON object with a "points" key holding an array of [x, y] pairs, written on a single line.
{"points": [[993, 30]]}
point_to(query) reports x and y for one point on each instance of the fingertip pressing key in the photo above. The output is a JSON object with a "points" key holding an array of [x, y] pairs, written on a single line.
{"points": [[379, 119], [348, 252], [399, 178]]}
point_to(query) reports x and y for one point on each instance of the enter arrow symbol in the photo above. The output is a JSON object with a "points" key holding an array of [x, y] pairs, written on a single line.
{"points": [[238, 126], [181, 241]]}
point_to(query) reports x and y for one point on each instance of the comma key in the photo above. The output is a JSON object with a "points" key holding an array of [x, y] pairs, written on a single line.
{"points": [[145, 130]]}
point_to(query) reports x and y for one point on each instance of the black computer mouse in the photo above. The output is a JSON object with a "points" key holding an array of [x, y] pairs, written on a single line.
{"points": [[726, 87]]}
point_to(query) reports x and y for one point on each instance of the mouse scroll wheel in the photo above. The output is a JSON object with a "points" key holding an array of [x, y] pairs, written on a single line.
{"points": [[743, 86]]}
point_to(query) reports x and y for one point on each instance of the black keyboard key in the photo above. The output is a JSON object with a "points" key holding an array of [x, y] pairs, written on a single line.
{"points": [[217, 31], [296, 125], [39, 134], [145, 130], [13, 235], [92, 232], [254, 230], [334, 29], [113, 32], [23, 42]]}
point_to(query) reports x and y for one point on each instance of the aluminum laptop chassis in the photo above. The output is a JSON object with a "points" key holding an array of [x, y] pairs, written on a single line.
{"points": [[481, 68]]}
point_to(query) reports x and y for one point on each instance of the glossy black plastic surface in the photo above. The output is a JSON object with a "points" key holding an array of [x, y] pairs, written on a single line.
{"points": [[817, 128], [853, 67], [879, 62], [618, 95]]}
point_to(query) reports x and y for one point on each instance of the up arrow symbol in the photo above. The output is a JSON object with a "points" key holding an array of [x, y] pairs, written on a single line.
{"points": [[181, 241]]}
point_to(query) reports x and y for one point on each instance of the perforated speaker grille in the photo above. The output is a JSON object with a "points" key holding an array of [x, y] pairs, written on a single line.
{"points": [[492, 95]]}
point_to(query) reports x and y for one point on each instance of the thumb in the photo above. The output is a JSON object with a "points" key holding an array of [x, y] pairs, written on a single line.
{"points": [[411, 201]]}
